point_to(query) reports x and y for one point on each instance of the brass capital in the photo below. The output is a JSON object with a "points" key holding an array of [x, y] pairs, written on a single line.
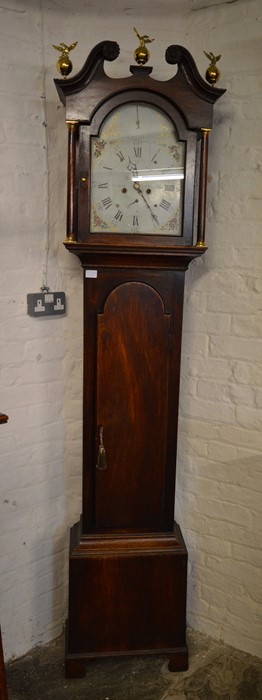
{"points": [[71, 123], [201, 244]]}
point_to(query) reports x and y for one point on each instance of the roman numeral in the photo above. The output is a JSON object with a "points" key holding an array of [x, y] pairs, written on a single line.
{"points": [[107, 202], [103, 184], [119, 215], [138, 151], [120, 155], [135, 220], [164, 204], [152, 159]]}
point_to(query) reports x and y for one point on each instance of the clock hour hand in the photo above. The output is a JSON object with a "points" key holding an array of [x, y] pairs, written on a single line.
{"points": [[134, 202]]}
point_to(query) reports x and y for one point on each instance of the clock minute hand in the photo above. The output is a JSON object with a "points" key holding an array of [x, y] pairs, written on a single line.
{"points": [[154, 217]]}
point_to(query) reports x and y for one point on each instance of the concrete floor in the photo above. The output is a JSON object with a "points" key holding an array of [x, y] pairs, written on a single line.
{"points": [[216, 672]]}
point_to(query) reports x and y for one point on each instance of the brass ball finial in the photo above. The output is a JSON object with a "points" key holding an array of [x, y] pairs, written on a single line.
{"points": [[141, 54], [64, 64], [212, 72]]}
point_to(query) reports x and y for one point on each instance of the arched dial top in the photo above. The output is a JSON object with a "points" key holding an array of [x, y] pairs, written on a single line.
{"points": [[137, 173]]}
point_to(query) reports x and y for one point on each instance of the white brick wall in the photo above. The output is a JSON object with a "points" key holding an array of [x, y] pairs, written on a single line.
{"points": [[219, 453]]}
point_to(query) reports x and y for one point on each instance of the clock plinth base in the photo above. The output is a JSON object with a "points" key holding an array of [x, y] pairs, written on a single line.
{"points": [[179, 661], [74, 667], [127, 597]]}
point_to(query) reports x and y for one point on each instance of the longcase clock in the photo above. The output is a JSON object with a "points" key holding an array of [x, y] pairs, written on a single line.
{"points": [[137, 170]]}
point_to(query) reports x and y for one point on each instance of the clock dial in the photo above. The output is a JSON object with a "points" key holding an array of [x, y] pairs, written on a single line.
{"points": [[137, 173]]}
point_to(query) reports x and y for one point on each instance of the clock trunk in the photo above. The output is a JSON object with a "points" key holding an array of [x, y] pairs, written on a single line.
{"points": [[133, 328]]}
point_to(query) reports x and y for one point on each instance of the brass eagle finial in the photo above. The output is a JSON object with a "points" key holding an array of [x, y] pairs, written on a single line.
{"points": [[141, 54], [64, 64], [212, 72]]}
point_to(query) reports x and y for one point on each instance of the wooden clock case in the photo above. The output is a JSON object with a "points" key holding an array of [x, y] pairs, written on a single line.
{"points": [[128, 560]]}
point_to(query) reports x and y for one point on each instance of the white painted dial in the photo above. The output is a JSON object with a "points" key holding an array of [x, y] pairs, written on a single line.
{"points": [[137, 173]]}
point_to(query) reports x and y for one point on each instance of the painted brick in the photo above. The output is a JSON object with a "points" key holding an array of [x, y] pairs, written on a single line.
{"points": [[239, 348], [219, 369], [211, 390], [246, 373], [206, 322], [240, 394], [207, 410], [249, 417]]}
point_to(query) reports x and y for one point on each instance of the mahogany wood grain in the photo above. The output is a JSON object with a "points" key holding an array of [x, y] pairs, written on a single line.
{"points": [[134, 588], [71, 182], [202, 188], [132, 343]]}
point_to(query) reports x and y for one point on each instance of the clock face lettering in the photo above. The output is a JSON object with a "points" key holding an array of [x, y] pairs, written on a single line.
{"points": [[137, 173]]}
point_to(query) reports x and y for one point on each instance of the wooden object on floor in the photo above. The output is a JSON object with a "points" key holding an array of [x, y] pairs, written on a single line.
{"points": [[3, 418]]}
